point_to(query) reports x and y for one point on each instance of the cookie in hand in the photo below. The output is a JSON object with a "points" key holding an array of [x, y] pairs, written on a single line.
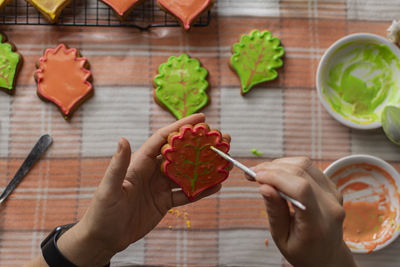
{"points": [[189, 161]]}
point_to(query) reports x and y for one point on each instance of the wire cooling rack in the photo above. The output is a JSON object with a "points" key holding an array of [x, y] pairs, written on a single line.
{"points": [[94, 13]]}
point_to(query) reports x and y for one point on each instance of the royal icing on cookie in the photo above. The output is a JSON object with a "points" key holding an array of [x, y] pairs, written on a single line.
{"points": [[51, 9], [122, 7], [181, 86], [255, 58], [186, 11], [189, 161], [9, 65], [62, 78]]}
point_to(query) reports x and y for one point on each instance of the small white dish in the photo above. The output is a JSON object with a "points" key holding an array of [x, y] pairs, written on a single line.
{"points": [[344, 58], [361, 180]]}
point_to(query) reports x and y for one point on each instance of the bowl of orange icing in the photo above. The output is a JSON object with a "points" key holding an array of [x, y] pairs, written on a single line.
{"points": [[371, 199]]}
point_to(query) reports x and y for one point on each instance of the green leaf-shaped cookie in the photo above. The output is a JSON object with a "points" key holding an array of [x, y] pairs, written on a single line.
{"points": [[9, 64], [255, 58], [181, 86]]}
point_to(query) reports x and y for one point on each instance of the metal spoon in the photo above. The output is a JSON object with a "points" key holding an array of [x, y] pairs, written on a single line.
{"points": [[391, 123]]}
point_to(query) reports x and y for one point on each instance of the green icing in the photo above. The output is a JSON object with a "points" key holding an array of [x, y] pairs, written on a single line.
{"points": [[255, 58], [8, 65], [391, 123], [181, 85], [363, 79], [256, 152]]}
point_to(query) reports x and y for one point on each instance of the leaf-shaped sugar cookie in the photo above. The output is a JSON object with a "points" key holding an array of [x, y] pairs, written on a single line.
{"points": [[186, 11], [122, 7], [189, 161], [10, 63], [63, 78], [50, 9], [255, 59], [181, 86], [3, 3]]}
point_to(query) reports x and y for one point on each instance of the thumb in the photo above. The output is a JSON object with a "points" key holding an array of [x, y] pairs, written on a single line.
{"points": [[116, 171], [278, 214]]}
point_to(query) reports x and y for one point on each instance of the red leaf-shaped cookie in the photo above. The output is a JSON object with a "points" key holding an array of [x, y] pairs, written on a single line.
{"points": [[186, 11], [122, 7], [63, 78], [189, 161]]}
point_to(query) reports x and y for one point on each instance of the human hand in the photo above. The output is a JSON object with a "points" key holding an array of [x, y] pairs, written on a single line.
{"points": [[313, 237], [132, 198]]}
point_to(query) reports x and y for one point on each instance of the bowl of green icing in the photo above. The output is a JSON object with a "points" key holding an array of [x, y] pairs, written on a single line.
{"points": [[357, 77]]}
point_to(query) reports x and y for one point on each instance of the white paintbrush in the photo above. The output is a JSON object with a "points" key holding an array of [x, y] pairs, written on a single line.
{"points": [[253, 175]]}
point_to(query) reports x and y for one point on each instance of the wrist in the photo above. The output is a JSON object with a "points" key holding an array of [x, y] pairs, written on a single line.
{"points": [[343, 257], [83, 250]]}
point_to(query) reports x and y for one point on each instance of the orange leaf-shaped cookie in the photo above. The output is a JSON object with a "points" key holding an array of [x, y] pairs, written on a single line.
{"points": [[189, 161], [63, 78], [122, 7], [186, 11]]}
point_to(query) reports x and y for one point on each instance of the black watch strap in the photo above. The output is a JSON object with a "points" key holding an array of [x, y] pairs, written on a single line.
{"points": [[50, 251]]}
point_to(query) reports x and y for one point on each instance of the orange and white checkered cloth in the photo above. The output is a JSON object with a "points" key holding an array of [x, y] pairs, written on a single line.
{"points": [[281, 118]]}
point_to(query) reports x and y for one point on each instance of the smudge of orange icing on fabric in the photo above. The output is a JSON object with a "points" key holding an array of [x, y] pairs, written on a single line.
{"points": [[367, 221]]}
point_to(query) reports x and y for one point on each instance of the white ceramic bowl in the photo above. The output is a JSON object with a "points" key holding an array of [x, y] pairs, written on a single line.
{"points": [[364, 195], [336, 54]]}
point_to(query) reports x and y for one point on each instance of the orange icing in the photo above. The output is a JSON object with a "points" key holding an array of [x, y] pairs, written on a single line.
{"points": [[369, 217], [186, 10], [121, 6], [62, 78]]}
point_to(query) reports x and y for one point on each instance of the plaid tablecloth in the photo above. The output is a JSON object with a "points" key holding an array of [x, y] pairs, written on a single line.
{"points": [[281, 118]]}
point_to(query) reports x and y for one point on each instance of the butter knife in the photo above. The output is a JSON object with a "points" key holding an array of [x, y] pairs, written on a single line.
{"points": [[40, 147]]}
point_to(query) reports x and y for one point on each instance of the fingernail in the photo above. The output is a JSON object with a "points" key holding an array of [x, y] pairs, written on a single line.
{"points": [[119, 145]]}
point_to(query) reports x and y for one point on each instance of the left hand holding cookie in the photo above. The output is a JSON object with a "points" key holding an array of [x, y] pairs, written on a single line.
{"points": [[130, 201]]}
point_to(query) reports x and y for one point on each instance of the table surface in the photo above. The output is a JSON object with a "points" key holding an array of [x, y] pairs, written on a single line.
{"points": [[280, 118]]}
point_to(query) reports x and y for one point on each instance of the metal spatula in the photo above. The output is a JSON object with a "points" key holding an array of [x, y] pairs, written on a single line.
{"points": [[41, 146]]}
